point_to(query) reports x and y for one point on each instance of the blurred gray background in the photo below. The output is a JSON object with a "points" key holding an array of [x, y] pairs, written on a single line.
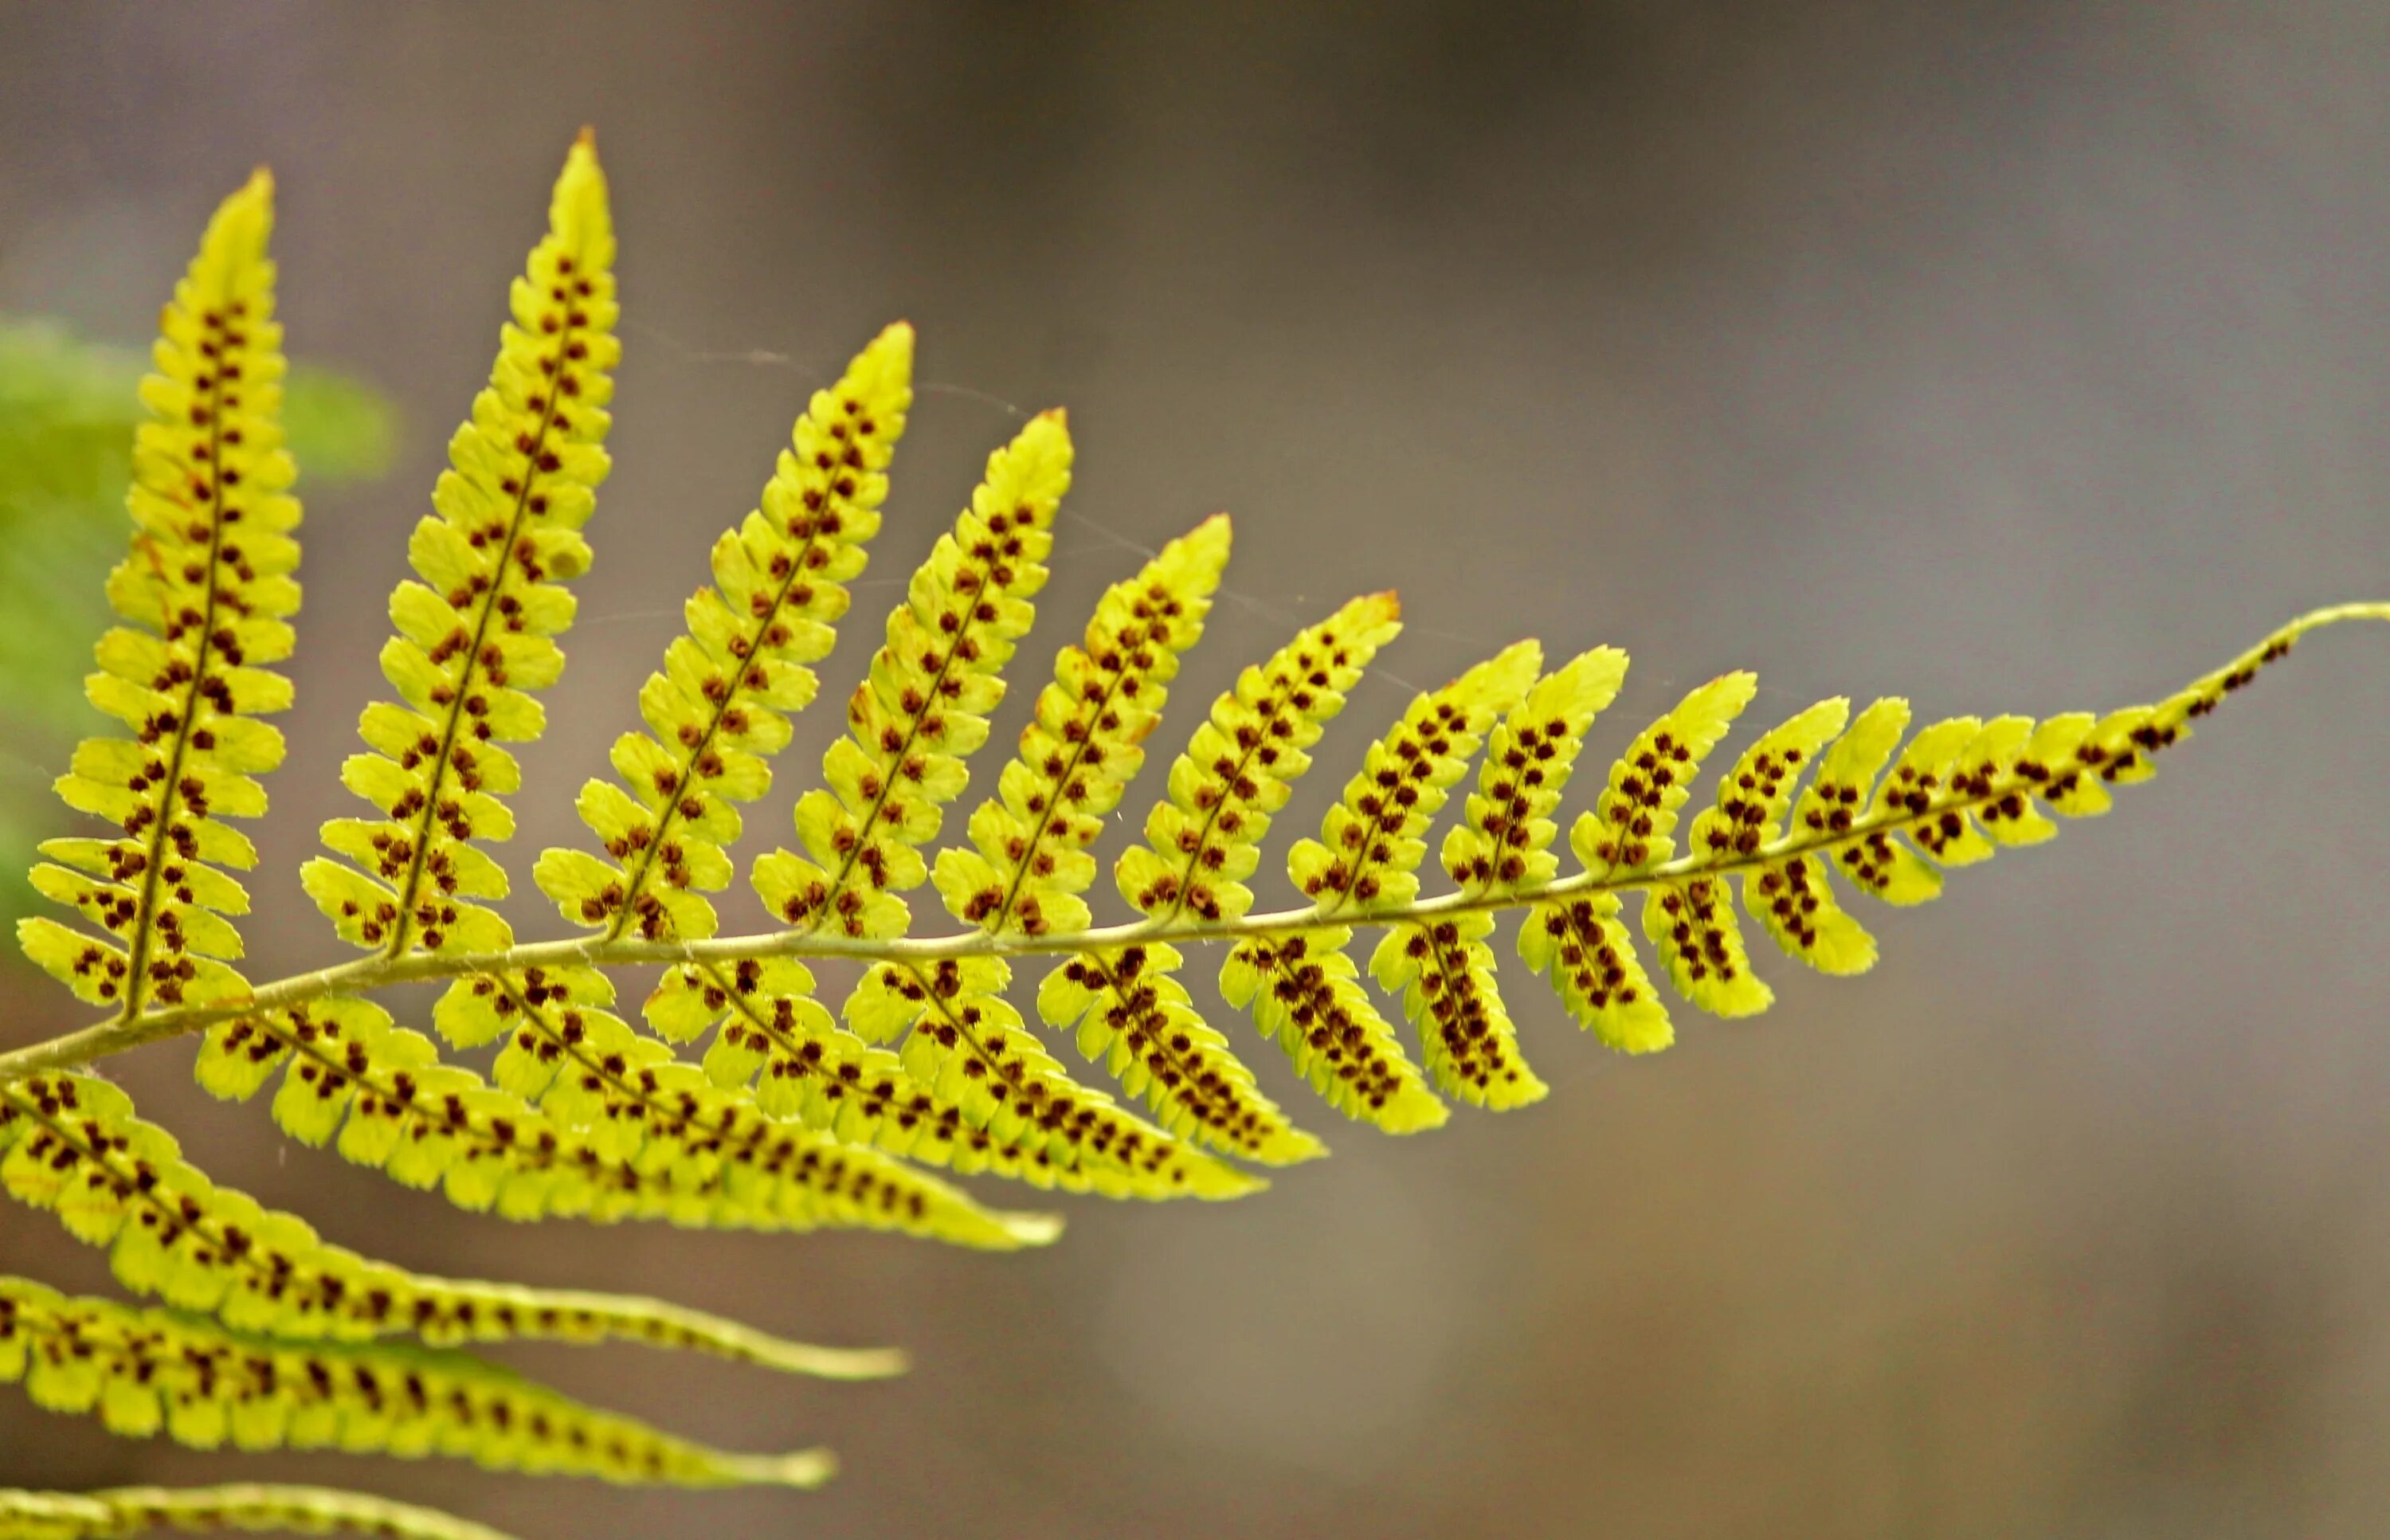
{"points": [[2009, 356]]}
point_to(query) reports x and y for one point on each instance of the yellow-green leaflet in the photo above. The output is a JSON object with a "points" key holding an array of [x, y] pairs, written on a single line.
{"points": [[1204, 839], [1368, 854], [912, 725], [113, 1513], [381, 1096], [924, 706], [477, 635], [72, 1145], [716, 713], [205, 594], [144, 1372], [591, 1074], [1031, 863]]}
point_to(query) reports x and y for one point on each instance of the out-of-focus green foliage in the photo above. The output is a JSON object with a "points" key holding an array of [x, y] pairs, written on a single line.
{"points": [[68, 408]]}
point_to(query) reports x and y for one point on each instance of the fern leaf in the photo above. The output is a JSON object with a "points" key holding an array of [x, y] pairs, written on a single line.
{"points": [[72, 1146], [805, 1066], [1790, 897], [1083, 747], [715, 712], [1077, 757], [144, 1372], [1632, 829], [1445, 969], [925, 705], [206, 594], [478, 634], [1031, 863], [382, 1097], [1504, 843], [1369, 853], [967, 1042], [1204, 839], [911, 723], [113, 1513], [591, 1072], [1692, 923], [1304, 991]]}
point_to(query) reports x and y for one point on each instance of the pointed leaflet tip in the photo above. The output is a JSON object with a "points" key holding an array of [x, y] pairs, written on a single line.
{"points": [[577, 210], [1032, 1229], [805, 1468], [586, 138]]}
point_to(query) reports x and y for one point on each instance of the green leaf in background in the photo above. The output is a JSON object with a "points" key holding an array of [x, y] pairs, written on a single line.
{"points": [[67, 413]]}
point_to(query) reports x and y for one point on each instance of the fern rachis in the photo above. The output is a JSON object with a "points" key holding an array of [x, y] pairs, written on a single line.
{"points": [[800, 1113]]}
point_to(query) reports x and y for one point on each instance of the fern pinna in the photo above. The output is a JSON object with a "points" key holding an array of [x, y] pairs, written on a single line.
{"points": [[800, 1112]]}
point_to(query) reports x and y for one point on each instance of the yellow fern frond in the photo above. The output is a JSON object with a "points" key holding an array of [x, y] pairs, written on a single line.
{"points": [[144, 1372], [1077, 758], [72, 1145], [114, 1513], [1370, 851], [715, 712], [382, 1098], [478, 633], [590, 1073], [206, 592]]}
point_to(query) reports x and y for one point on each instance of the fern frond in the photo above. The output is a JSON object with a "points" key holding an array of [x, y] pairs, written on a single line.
{"points": [[590, 1073], [973, 1088], [72, 1145], [383, 1091], [206, 592], [1024, 876], [144, 1372], [114, 1513], [1368, 855], [478, 634], [924, 706], [1204, 839], [716, 710], [1077, 758]]}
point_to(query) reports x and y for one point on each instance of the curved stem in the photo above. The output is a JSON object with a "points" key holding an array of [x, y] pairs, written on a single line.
{"points": [[367, 974]]}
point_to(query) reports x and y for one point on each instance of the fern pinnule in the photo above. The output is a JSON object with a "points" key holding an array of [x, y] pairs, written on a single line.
{"points": [[381, 1095], [73, 1146], [206, 592], [716, 711], [144, 1372], [1133, 1017], [1203, 839], [1078, 756], [1083, 747], [912, 725], [591, 1072], [479, 632], [1369, 851], [924, 706], [114, 1513]]}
